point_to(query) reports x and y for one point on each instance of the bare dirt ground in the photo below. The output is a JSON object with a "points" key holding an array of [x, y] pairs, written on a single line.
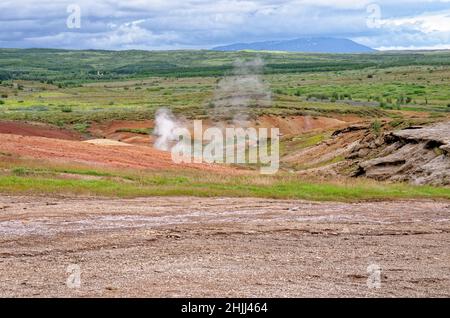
{"points": [[37, 130], [288, 125], [229, 247], [95, 155], [115, 130], [295, 125]]}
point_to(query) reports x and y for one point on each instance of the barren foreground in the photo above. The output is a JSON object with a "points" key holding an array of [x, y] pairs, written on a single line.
{"points": [[222, 247]]}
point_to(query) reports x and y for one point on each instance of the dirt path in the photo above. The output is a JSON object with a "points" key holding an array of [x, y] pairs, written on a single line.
{"points": [[223, 247]]}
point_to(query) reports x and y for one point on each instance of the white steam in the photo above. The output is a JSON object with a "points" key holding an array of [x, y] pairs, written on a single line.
{"points": [[237, 94], [235, 97], [165, 126]]}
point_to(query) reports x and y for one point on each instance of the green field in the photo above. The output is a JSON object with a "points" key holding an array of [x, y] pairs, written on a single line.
{"points": [[74, 67], [39, 179], [77, 87]]}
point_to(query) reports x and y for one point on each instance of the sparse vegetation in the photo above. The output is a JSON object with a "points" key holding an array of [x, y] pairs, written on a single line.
{"points": [[141, 131], [46, 181], [376, 127]]}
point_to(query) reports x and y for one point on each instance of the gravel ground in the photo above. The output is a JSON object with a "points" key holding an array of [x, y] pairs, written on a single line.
{"points": [[224, 247]]}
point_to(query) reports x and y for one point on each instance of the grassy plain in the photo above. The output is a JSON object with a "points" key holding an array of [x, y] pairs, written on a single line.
{"points": [[40, 178]]}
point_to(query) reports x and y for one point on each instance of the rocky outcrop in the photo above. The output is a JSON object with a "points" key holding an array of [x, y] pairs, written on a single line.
{"points": [[419, 155], [350, 128]]}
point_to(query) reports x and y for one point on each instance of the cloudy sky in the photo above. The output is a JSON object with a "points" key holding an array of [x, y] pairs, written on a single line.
{"points": [[181, 24]]}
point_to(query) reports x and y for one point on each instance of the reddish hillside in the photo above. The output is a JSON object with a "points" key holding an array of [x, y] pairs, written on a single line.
{"points": [[137, 157], [37, 130]]}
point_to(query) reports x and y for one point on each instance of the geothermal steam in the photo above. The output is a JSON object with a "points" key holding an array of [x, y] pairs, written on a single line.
{"points": [[165, 124], [240, 91], [234, 97]]}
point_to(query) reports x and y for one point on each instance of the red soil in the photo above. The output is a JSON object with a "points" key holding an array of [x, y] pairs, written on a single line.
{"points": [[38, 130], [288, 125], [112, 126], [299, 124], [111, 130], [134, 157]]}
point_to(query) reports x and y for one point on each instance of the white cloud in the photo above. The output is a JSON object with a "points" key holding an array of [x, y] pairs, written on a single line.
{"points": [[412, 47], [427, 22], [429, 30], [158, 24]]}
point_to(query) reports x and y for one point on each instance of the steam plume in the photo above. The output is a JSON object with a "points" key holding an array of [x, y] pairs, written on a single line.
{"points": [[165, 124], [236, 94]]}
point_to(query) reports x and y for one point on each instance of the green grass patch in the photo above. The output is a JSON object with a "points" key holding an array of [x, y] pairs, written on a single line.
{"points": [[141, 131], [168, 185]]}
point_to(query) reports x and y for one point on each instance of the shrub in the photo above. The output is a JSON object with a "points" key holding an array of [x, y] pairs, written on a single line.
{"points": [[81, 127], [279, 91], [346, 96], [66, 109], [320, 96], [376, 127], [19, 171]]}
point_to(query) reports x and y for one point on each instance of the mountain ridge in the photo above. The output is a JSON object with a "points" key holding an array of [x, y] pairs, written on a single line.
{"points": [[305, 44]]}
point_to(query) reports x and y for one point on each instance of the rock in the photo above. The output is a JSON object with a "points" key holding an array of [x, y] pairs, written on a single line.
{"points": [[363, 152], [378, 142], [439, 133], [445, 148], [349, 129], [419, 155]]}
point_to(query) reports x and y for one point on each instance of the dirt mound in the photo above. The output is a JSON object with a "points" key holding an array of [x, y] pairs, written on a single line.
{"points": [[326, 152], [115, 125], [133, 131], [37, 130], [291, 125], [419, 156], [128, 131], [106, 142], [138, 157]]}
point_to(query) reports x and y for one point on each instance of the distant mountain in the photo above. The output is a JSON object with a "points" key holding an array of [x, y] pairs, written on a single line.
{"points": [[310, 44]]}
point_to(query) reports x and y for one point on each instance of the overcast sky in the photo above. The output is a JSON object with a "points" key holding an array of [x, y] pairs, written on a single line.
{"points": [[181, 24]]}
